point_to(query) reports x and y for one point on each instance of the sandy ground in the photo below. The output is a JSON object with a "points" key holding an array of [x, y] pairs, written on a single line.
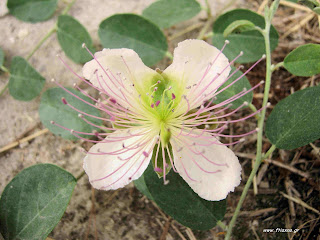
{"points": [[119, 215]]}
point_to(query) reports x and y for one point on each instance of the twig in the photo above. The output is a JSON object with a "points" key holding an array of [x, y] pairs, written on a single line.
{"points": [[165, 229], [23, 140], [302, 203], [295, 5], [186, 30], [291, 205], [190, 234], [252, 213], [298, 26], [166, 218], [288, 167]]}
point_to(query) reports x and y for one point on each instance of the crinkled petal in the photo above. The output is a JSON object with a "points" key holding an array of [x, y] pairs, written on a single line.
{"points": [[122, 75], [121, 165], [211, 171], [192, 67]]}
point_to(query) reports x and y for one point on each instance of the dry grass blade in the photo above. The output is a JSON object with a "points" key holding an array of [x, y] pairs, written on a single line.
{"points": [[302, 203]]}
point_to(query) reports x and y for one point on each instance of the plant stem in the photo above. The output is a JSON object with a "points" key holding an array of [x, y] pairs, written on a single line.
{"points": [[4, 89], [266, 35], [169, 55], [67, 8], [269, 152], [3, 68], [222, 225], [277, 66], [254, 109], [80, 175], [208, 8], [52, 30]]}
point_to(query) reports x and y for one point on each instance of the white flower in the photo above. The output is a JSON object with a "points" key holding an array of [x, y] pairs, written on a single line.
{"points": [[153, 111]]}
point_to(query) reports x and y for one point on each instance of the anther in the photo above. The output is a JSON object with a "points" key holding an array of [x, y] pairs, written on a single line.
{"points": [[157, 103], [242, 140], [152, 105], [145, 154], [123, 145], [80, 115], [159, 82], [74, 85], [95, 71], [64, 101], [188, 87], [155, 89], [113, 100], [166, 182], [246, 103], [257, 129], [241, 53], [52, 122], [268, 104], [262, 82], [263, 56], [170, 87], [83, 45], [71, 130], [172, 110], [226, 41], [173, 96], [157, 169], [53, 80]]}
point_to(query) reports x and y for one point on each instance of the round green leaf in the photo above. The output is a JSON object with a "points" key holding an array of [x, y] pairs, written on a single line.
{"points": [[32, 10], [135, 32], [166, 13], [304, 60], [241, 84], [25, 82], [1, 57], [71, 35], [295, 120], [52, 109], [250, 42], [179, 201], [34, 201]]}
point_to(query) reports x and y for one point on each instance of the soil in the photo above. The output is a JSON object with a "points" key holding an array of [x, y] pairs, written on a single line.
{"points": [[126, 213]]}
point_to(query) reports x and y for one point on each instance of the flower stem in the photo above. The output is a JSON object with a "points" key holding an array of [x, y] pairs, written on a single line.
{"points": [[266, 35]]}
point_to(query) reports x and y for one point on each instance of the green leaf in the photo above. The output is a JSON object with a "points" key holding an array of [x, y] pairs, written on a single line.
{"points": [[25, 82], [142, 187], [135, 32], [317, 10], [71, 35], [238, 27], [250, 42], [234, 89], [52, 109], [32, 10], [179, 201], [166, 13], [304, 60], [310, 3], [295, 120], [34, 201], [1, 57]]}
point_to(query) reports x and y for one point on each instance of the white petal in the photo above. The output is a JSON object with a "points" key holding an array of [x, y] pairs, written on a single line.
{"points": [[211, 171], [107, 171], [123, 74], [191, 63]]}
